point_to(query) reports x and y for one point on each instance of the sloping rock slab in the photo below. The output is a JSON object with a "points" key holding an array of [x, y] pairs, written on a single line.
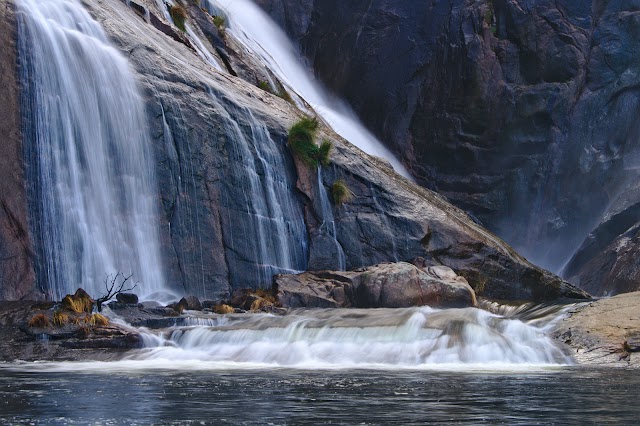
{"points": [[386, 285], [604, 332]]}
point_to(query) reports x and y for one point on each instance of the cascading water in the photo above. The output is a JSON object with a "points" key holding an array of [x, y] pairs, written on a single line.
{"points": [[88, 153], [328, 223], [199, 46], [346, 338], [274, 236], [260, 35]]}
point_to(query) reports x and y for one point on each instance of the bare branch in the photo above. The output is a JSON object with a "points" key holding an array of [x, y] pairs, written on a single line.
{"points": [[113, 288]]}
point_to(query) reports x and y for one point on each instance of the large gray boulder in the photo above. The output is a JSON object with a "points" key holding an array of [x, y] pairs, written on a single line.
{"points": [[387, 285]]}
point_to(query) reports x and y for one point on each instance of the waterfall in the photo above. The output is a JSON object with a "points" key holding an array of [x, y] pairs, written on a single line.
{"points": [[93, 196], [265, 233], [348, 338], [328, 222], [261, 36]]}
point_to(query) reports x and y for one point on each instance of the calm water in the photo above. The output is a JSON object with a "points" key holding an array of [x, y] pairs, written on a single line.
{"points": [[559, 395]]}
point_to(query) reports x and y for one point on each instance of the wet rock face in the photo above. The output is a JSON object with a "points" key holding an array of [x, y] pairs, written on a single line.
{"points": [[523, 113], [387, 285], [17, 273]]}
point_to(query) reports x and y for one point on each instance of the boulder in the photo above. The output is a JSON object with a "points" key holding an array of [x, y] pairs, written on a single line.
{"points": [[128, 298], [386, 285], [191, 303]]}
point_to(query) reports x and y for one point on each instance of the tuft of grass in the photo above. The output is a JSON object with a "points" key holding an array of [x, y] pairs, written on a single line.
{"points": [[264, 85], [60, 318], [97, 319], [80, 302], [324, 152], [75, 320], [219, 22], [179, 16], [283, 94], [223, 309], [39, 321], [340, 192], [301, 140], [266, 294]]}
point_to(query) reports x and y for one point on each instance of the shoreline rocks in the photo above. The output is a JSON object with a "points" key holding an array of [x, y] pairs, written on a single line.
{"points": [[605, 332]]}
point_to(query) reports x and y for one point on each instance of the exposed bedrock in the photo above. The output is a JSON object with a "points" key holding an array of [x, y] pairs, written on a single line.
{"points": [[523, 113], [236, 207], [387, 285]]}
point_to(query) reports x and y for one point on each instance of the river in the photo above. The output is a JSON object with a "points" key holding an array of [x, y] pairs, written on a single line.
{"points": [[555, 395]]}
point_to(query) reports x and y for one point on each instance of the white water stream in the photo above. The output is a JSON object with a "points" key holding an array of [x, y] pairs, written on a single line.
{"points": [[415, 338], [93, 189], [270, 235], [197, 43], [328, 221], [264, 38]]}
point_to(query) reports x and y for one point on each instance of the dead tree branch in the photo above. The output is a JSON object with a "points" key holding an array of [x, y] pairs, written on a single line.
{"points": [[113, 288]]}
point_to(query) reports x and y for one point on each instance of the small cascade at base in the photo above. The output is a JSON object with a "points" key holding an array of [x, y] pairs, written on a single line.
{"points": [[89, 164], [354, 338]]}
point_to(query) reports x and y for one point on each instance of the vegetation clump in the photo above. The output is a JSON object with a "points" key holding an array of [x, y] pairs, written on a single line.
{"points": [[179, 16], [98, 319], [340, 192], [283, 94], [324, 152], [264, 85], [223, 309], [60, 318], [219, 22], [39, 321], [79, 302], [301, 140]]}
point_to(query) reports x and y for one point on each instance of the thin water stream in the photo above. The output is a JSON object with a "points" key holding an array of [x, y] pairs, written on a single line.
{"points": [[262, 37]]}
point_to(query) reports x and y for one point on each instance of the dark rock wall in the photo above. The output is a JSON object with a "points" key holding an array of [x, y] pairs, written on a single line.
{"points": [[522, 112], [207, 246], [17, 276]]}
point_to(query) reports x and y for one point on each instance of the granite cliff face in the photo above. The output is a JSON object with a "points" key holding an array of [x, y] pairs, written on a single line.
{"points": [[17, 272], [221, 154], [521, 112]]}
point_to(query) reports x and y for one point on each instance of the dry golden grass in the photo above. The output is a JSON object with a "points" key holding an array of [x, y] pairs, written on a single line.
{"points": [[98, 319], [223, 309], [60, 318], [80, 302], [39, 321]]}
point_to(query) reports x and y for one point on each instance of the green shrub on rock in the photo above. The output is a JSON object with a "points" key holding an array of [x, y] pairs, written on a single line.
{"points": [[219, 21], [179, 16], [301, 141], [340, 192], [324, 152]]}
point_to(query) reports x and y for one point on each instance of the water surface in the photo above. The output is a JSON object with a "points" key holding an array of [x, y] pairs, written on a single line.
{"points": [[560, 395]]}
